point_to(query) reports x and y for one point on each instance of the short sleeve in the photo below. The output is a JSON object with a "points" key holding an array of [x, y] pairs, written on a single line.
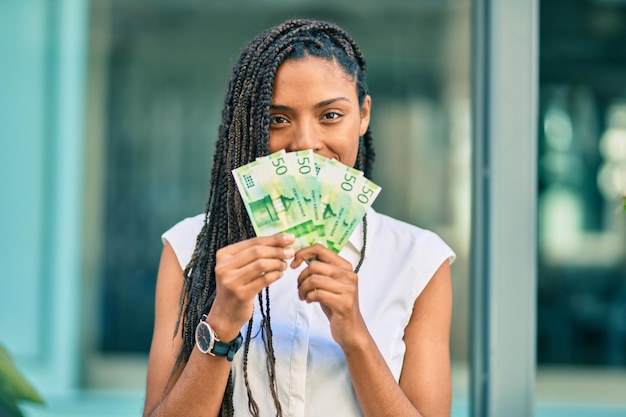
{"points": [[431, 252], [182, 238]]}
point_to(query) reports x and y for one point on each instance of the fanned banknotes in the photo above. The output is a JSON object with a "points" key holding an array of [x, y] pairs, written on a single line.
{"points": [[317, 199]]}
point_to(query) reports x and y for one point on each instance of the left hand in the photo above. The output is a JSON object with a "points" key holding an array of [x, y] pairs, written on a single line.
{"points": [[329, 280]]}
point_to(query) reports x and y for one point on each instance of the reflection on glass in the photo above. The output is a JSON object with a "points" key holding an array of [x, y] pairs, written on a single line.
{"points": [[582, 178], [612, 175]]}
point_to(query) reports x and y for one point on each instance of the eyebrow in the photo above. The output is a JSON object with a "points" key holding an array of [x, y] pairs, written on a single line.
{"points": [[317, 106]]}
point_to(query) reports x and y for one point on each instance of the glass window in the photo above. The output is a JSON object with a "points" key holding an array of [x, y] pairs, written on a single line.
{"points": [[582, 229]]}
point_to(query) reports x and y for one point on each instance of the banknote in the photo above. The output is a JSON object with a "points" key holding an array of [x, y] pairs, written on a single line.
{"points": [[257, 201], [273, 199], [319, 200], [346, 196], [319, 160], [302, 164], [335, 178], [362, 194], [281, 178]]}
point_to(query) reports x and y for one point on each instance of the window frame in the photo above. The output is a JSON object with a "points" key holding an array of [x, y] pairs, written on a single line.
{"points": [[503, 238]]}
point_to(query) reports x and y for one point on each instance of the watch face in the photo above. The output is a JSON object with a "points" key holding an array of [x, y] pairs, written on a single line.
{"points": [[204, 337]]}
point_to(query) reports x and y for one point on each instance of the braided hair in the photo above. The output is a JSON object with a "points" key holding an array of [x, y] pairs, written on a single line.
{"points": [[243, 136]]}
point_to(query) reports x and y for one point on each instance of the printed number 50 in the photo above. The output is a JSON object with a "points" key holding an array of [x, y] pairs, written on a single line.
{"points": [[365, 194]]}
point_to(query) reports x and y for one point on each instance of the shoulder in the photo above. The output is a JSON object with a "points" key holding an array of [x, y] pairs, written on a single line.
{"points": [[182, 237], [410, 254], [406, 238]]}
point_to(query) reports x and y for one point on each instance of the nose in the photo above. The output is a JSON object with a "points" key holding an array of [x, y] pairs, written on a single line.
{"points": [[306, 136]]}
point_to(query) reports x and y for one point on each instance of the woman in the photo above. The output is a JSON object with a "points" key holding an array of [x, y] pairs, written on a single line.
{"points": [[362, 332]]}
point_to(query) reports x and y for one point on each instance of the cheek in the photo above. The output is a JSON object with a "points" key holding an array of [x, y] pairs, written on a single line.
{"points": [[272, 146], [351, 160], [349, 149], [275, 142]]}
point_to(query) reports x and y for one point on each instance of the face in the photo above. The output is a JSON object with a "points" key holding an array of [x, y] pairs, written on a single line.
{"points": [[315, 106]]}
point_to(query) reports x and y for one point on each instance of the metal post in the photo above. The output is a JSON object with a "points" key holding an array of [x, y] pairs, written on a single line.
{"points": [[503, 256]]}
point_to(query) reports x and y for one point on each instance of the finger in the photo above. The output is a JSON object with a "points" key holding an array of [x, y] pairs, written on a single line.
{"points": [[311, 283], [259, 283], [260, 268], [318, 268], [229, 257], [329, 293], [319, 253], [306, 254], [233, 277], [342, 273], [276, 240], [322, 282]]}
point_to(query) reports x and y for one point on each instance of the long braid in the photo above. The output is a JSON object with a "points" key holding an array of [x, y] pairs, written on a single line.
{"points": [[252, 405], [243, 135], [266, 335]]}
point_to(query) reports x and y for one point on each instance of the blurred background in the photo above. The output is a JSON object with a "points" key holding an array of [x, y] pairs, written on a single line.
{"points": [[108, 115]]}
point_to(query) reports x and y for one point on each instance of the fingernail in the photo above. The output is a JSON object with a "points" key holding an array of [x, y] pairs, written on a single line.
{"points": [[289, 237], [289, 252]]}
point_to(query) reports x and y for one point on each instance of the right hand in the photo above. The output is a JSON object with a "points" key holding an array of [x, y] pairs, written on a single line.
{"points": [[242, 270]]}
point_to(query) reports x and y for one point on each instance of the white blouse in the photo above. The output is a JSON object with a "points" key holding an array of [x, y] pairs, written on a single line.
{"points": [[311, 372]]}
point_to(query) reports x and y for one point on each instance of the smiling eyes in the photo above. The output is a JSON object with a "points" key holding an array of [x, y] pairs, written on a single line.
{"points": [[330, 115], [276, 120]]}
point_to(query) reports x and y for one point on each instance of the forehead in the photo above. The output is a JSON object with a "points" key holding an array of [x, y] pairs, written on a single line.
{"points": [[312, 75]]}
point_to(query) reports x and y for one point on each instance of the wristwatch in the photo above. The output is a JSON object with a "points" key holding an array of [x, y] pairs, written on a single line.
{"points": [[208, 342]]}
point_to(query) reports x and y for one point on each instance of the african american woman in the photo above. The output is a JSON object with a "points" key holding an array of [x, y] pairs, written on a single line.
{"points": [[309, 332]]}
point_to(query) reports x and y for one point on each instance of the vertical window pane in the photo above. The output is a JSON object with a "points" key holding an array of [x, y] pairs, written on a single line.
{"points": [[582, 228]]}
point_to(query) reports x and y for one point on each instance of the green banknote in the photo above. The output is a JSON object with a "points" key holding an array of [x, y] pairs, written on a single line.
{"points": [[317, 199], [362, 194], [319, 160], [337, 181], [302, 164], [257, 200], [273, 199], [288, 198]]}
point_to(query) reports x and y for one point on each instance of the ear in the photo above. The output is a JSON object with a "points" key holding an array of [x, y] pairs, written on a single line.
{"points": [[365, 115]]}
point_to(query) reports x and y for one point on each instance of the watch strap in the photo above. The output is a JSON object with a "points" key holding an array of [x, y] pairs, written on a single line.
{"points": [[224, 349], [228, 349]]}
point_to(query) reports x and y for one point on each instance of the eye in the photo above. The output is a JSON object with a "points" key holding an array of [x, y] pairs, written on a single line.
{"points": [[275, 120], [331, 115]]}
